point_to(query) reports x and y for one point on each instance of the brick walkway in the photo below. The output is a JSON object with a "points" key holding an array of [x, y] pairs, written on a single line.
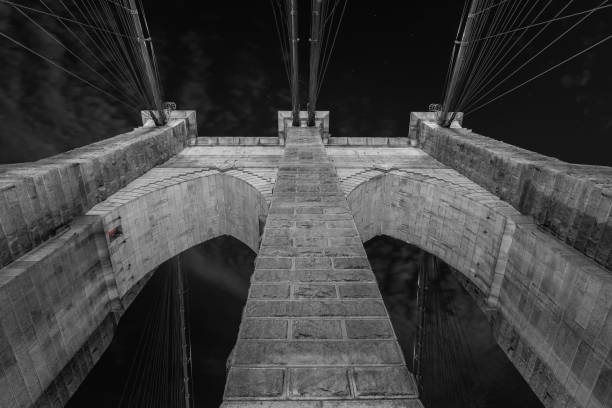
{"points": [[315, 331]]}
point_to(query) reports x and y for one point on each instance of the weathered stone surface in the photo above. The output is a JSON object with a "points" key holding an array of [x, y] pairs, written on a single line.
{"points": [[265, 275], [254, 383], [314, 291], [312, 308], [384, 381], [319, 382], [273, 263], [65, 282], [323, 352], [311, 262], [317, 329], [269, 291], [264, 329], [351, 263], [369, 329], [358, 290]]}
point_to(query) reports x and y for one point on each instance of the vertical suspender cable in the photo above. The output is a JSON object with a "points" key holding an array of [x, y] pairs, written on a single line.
{"points": [[315, 57], [293, 24], [417, 356], [183, 330]]}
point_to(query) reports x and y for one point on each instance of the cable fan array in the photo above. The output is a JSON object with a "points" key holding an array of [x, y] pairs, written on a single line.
{"points": [[110, 41], [498, 39], [285, 20], [161, 368], [327, 18]]}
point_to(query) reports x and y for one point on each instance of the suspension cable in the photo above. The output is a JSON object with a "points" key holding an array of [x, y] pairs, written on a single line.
{"points": [[493, 38], [113, 49]]}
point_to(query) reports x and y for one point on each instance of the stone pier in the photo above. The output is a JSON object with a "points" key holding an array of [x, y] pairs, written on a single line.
{"points": [[315, 331]]}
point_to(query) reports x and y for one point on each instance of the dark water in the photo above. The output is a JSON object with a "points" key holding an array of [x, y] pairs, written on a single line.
{"points": [[461, 364]]}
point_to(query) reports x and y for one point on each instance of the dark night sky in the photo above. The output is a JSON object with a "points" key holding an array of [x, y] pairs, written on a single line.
{"points": [[223, 59]]}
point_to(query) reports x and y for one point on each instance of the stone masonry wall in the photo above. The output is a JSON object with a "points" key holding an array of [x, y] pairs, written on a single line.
{"points": [[60, 303], [52, 303], [39, 199], [315, 331], [553, 312], [441, 212], [572, 202], [555, 320], [170, 210]]}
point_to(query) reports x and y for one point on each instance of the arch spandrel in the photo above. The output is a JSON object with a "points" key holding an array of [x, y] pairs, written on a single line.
{"points": [[457, 222], [146, 227]]}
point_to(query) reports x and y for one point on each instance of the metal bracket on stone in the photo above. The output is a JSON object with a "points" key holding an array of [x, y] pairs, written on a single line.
{"points": [[162, 116], [435, 107], [168, 108]]}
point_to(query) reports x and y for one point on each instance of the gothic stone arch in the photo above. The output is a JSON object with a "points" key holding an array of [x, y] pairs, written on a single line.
{"points": [[547, 302], [64, 298]]}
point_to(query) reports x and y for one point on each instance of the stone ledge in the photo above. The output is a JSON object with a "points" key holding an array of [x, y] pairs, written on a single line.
{"points": [[237, 141], [371, 403], [368, 141]]}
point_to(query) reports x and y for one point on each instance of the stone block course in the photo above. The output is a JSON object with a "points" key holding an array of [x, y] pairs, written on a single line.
{"points": [[317, 329], [268, 291], [345, 275], [321, 352], [384, 381], [319, 382], [351, 263], [311, 262], [313, 308], [311, 291], [369, 329], [353, 290], [255, 383], [264, 329]]}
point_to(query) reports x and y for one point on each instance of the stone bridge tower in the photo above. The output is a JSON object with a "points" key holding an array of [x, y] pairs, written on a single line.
{"points": [[81, 232]]}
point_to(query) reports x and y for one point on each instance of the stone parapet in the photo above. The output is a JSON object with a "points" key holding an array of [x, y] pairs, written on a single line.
{"points": [[38, 199], [238, 141], [368, 141], [58, 311]]}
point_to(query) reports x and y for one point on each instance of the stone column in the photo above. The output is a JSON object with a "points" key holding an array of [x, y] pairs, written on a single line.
{"points": [[315, 331]]}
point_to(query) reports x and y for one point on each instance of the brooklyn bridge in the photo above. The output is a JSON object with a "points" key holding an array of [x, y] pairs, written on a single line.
{"points": [[529, 237]]}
